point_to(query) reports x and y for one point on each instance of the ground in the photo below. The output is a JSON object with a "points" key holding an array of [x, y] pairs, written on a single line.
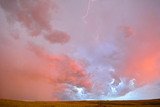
{"points": [[142, 103]]}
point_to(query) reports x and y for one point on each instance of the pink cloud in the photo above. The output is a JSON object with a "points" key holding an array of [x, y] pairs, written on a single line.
{"points": [[58, 37]]}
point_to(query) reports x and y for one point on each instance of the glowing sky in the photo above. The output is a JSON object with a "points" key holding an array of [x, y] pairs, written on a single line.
{"points": [[79, 49]]}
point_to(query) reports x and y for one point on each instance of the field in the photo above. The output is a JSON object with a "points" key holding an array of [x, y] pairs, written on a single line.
{"points": [[141, 103]]}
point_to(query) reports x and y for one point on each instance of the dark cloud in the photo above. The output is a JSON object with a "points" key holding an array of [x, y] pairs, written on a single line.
{"points": [[58, 37], [36, 16]]}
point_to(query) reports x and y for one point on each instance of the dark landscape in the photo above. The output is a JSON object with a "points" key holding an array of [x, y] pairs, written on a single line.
{"points": [[129, 103]]}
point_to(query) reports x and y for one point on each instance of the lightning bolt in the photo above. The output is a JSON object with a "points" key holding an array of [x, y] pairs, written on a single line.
{"points": [[86, 15], [87, 11]]}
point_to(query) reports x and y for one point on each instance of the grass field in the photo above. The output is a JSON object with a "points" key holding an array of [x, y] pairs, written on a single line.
{"points": [[141, 103]]}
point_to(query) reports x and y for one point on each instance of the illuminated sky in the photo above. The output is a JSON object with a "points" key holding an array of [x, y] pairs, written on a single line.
{"points": [[79, 49]]}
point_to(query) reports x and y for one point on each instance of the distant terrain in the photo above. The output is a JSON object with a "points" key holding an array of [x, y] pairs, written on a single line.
{"points": [[141, 103]]}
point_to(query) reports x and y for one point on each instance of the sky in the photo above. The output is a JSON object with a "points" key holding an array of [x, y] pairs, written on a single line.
{"points": [[54, 50]]}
